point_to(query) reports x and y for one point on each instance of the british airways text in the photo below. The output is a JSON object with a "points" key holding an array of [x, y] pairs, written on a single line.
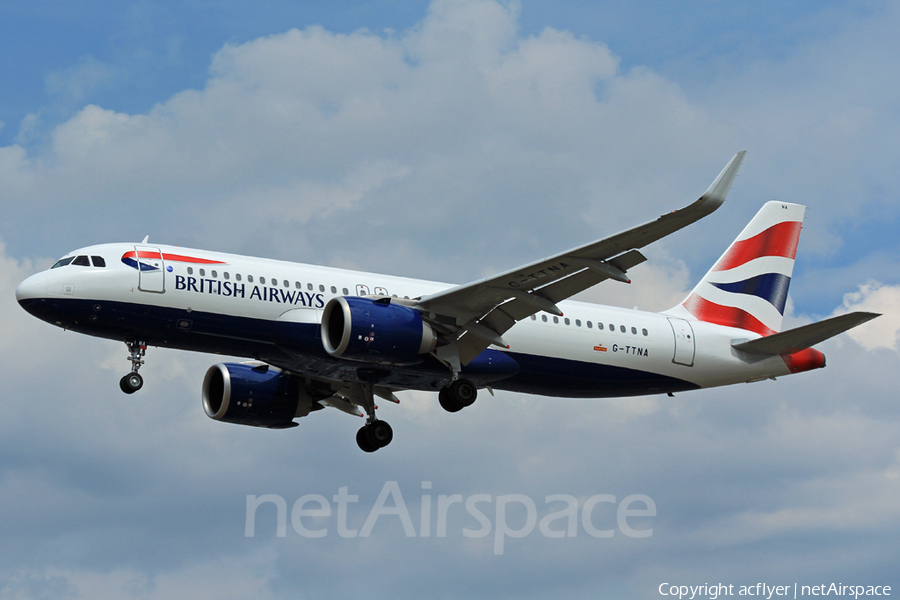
{"points": [[239, 290]]}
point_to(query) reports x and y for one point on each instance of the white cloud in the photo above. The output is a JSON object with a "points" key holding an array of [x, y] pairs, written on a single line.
{"points": [[449, 151], [875, 297], [76, 84]]}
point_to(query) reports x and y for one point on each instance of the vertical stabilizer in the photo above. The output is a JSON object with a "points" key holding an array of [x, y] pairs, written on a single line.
{"points": [[748, 286]]}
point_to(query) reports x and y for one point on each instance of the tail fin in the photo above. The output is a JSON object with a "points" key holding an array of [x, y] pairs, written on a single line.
{"points": [[747, 287]]}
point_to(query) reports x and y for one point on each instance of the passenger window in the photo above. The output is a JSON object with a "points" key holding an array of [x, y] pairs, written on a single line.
{"points": [[225, 275], [250, 278], [577, 322], [63, 262], [297, 284], [262, 280], [321, 288], [202, 272], [190, 270], [644, 331], [622, 328], [98, 261], [333, 290], [287, 283], [612, 328], [567, 320], [544, 318], [534, 317], [590, 325], [634, 330], [81, 261], [214, 274], [600, 326], [346, 292], [556, 319], [237, 276], [309, 286]]}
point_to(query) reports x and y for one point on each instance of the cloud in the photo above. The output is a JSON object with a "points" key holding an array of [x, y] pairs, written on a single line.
{"points": [[450, 151], [878, 298], [76, 84]]}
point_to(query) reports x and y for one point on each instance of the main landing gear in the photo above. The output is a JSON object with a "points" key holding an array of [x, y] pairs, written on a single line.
{"points": [[375, 433], [133, 381], [458, 395]]}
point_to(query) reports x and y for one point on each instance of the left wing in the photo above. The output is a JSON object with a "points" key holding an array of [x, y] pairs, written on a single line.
{"points": [[473, 316]]}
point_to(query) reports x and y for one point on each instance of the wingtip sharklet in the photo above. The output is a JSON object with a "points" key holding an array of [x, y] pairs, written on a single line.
{"points": [[715, 195]]}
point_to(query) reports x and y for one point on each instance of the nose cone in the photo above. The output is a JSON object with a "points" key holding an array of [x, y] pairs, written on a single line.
{"points": [[31, 290]]}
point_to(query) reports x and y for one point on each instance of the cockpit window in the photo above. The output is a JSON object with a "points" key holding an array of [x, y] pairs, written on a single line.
{"points": [[63, 262], [98, 261], [81, 261]]}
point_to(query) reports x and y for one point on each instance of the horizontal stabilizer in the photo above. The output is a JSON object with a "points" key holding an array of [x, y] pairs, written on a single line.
{"points": [[801, 338]]}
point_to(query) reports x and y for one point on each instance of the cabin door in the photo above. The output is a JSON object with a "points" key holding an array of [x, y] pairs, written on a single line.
{"points": [[684, 342], [151, 269]]}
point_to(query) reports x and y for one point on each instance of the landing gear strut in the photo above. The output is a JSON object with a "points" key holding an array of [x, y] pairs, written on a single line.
{"points": [[375, 433], [133, 381], [458, 395]]}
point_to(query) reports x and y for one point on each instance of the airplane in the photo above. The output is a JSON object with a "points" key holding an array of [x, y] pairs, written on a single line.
{"points": [[317, 337]]}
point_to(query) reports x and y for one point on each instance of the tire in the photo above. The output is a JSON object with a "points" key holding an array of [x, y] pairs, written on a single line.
{"points": [[463, 392], [131, 383], [362, 440], [379, 434], [447, 402]]}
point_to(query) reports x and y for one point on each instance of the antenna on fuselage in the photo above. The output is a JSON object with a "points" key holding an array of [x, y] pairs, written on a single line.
{"points": [[146, 239]]}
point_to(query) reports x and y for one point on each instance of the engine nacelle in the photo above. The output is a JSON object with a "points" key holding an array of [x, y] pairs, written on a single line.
{"points": [[258, 396], [375, 331]]}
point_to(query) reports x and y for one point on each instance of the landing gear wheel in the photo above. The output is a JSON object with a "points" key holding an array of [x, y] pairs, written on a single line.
{"points": [[373, 436], [363, 441], [379, 433], [131, 383], [447, 402], [463, 392], [458, 395]]}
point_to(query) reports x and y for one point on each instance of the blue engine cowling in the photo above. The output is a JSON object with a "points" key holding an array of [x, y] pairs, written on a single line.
{"points": [[375, 331], [258, 396]]}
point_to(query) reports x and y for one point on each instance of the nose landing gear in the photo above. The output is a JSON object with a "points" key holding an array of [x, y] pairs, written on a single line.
{"points": [[133, 381]]}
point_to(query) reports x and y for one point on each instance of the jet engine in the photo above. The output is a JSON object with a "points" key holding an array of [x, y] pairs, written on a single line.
{"points": [[375, 331], [260, 396]]}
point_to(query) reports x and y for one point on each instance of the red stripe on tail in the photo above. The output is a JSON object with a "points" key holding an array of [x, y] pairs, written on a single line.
{"points": [[729, 316], [778, 240]]}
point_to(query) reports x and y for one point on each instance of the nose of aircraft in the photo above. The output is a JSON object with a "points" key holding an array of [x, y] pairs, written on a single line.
{"points": [[33, 288]]}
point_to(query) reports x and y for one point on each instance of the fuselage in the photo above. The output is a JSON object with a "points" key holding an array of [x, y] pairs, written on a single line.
{"points": [[271, 311]]}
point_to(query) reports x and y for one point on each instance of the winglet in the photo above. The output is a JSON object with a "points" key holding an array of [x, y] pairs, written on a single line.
{"points": [[718, 190]]}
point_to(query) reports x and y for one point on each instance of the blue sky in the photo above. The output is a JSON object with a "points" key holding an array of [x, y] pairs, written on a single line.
{"points": [[447, 140]]}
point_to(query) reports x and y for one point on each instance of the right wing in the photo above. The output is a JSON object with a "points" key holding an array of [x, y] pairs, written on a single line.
{"points": [[473, 316]]}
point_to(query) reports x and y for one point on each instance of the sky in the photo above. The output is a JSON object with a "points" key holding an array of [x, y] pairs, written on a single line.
{"points": [[448, 140]]}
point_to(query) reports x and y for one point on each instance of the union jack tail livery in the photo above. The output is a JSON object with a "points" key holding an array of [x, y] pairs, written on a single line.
{"points": [[747, 287]]}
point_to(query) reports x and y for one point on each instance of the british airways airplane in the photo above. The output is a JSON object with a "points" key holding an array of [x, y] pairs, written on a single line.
{"points": [[319, 337]]}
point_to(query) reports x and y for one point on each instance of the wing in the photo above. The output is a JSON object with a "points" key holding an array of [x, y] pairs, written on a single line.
{"points": [[473, 316]]}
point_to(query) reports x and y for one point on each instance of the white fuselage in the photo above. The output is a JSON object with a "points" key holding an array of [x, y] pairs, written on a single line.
{"points": [[216, 302]]}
